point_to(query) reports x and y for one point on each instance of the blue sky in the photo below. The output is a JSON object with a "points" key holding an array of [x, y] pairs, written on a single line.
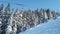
{"points": [[34, 4]]}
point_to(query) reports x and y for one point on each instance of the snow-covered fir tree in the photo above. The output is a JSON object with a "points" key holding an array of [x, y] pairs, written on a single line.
{"points": [[5, 17], [14, 22], [1, 14]]}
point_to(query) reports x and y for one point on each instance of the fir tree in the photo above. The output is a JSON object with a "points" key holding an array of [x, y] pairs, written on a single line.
{"points": [[8, 7]]}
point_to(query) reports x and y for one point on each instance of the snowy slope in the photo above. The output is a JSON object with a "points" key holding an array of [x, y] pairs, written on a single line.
{"points": [[51, 27]]}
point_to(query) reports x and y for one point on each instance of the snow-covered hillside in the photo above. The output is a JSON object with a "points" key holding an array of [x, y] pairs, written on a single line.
{"points": [[51, 27]]}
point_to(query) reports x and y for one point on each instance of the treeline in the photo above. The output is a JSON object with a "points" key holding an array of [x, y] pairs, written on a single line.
{"points": [[13, 22]]}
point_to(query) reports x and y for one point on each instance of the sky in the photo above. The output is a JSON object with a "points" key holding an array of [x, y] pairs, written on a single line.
{"points": [[34, 4]]}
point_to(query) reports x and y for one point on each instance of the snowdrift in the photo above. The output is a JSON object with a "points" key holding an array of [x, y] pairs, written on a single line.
{"points": [[51, 27]]}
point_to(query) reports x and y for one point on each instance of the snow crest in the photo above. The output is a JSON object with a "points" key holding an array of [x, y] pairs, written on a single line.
{"points": [[51, 27]]}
